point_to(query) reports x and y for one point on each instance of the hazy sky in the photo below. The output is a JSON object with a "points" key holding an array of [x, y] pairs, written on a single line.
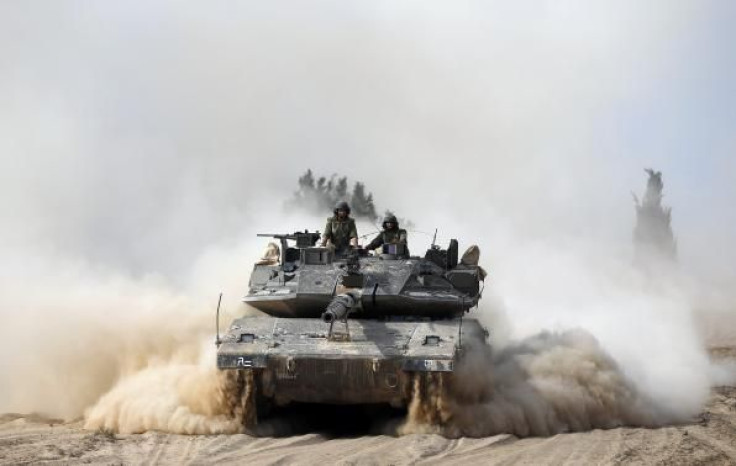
{"points": [[134, 134]]}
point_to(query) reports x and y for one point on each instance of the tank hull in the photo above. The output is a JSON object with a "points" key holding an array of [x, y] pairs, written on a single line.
{"points": [[367, 361]]}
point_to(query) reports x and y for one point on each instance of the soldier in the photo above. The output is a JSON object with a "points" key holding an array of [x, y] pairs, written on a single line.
{"points": [[391, 233], [340, 229]]}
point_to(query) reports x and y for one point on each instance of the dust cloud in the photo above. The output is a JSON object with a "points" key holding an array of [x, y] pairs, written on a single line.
{"points": [[127, 355], [180, 399], [86, 331], [544, 385]]}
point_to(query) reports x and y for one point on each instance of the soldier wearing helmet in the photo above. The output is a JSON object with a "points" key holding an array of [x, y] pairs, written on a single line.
{"points": [[340, 230], [391, 233]]}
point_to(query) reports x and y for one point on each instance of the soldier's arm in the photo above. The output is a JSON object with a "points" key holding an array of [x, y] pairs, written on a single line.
{"points": [[403, 239], [327, 234], [377, 242]]}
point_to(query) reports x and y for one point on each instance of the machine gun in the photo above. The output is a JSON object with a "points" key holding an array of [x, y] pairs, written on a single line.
{"points": [[304, 239]]}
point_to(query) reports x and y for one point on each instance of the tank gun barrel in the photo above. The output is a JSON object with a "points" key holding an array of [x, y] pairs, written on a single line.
{"points": [[339, 308]]}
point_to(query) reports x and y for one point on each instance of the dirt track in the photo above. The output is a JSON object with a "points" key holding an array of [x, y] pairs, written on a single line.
{"points": [[708, 440]]}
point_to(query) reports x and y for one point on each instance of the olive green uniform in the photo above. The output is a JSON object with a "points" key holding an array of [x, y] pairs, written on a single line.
{"points": [[340, 232], [395, 236]]}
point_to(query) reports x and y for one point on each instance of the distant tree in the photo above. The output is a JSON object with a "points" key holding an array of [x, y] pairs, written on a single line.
{"points": [[321, 184], [654, 240], [341, 190], [358, 199], [370, 208], [306, 181], [362, 203], [319, 195]]}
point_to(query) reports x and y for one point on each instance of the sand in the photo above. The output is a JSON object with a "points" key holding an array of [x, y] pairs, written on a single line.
{"points": [[708, 439]]}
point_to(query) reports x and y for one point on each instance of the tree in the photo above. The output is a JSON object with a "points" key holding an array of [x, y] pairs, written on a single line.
{"points": [[306, 181], [341, 189], [653, 237], [319, 195]]}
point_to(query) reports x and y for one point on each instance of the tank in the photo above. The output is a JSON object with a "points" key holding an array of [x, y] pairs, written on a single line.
{"points": [[352, 328]]}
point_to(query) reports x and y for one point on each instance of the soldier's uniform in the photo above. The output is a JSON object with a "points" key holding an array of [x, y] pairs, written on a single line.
{"points": [[389, 236], [340, 232], [395, 236]]}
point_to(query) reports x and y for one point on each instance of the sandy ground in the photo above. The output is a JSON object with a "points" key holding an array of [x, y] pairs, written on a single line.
{"points": [[709, 439]]}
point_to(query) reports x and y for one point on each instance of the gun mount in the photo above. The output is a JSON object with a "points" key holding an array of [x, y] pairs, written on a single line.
{"points": [[303, 239]]}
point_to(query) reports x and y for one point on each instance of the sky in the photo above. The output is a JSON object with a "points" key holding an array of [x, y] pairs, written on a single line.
{"points": [[136, 135]]}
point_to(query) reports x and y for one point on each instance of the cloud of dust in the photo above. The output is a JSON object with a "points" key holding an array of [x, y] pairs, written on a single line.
{"points": [[581, 339], [128, 354], [181, 399], [83, 331], [543, 385]]}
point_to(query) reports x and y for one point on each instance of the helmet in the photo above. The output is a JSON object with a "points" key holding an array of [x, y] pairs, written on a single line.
{"points": [[390, 218], [342, 205]]}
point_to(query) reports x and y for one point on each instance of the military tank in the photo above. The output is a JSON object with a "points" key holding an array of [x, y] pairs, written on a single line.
{"points": [[351, 328]]}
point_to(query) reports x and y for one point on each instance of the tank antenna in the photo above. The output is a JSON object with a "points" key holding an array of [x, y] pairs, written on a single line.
{"points": [[217, 321], [434, 238]]}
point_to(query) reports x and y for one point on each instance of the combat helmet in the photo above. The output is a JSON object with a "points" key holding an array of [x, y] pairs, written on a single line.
{"points": [[342, 205], [389, 217]]}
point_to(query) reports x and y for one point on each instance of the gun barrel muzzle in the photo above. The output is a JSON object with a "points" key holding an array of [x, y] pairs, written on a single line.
{"points": [[338, 308], [329, 317]]}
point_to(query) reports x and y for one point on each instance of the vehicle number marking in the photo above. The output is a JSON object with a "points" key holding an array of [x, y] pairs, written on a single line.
{"points": [[242, 362]]}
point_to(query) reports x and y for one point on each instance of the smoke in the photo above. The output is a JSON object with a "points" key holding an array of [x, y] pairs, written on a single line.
{"points": [[142, 146]]}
